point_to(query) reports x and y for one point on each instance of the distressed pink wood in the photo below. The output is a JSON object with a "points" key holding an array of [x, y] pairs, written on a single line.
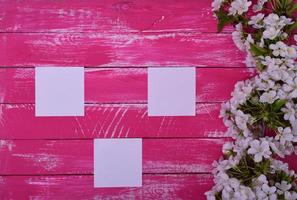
{"points": [[76, 156], [121, 85], [106, 16], [119, 50], [17, 121], [123, 38], [157, 187]]}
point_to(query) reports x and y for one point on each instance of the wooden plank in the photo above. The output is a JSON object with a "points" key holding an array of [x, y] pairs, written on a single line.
{"points": [[106, 16], [169, 187], [119, 50], [118, 85], [19, 157], [18, 121]]}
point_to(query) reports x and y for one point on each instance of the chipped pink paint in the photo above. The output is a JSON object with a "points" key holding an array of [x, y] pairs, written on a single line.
{"points": [[119, 50], [107, 16], [109, 120], [118, 85], [51, 158], [76, 156], [155, 186]]}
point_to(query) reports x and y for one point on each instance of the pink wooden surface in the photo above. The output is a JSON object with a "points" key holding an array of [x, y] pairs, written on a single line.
{"points": [[157, 186], [123, 50], [108, 120], [107, 16], [116, 40], [76, 156], [121, 85]]}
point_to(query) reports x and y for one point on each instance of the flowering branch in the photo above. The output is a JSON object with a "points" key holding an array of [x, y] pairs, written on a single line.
{"points": [[261, 115]]}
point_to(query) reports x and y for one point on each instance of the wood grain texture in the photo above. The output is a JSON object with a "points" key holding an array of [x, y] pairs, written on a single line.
{"points": [[106, 16], [157, 187], [21, 157], [121, 85], [18, 121], [118, 50], [55, 161]]}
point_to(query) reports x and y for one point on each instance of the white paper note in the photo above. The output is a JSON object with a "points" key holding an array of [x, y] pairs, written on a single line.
{"points": [[117, 163], [59, 91], [171, 91]]}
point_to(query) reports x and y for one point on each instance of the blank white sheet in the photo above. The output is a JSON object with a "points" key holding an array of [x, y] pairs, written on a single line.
{"points": [[117, 163], [171, 91], [59, 91]]}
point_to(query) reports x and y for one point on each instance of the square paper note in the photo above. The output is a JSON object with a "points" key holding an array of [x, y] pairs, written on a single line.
{"points": [[59, 91], [117, 162], [171, 91]]}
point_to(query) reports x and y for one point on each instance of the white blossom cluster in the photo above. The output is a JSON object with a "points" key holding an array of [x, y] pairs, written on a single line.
{"points": [[262, 113], [261, 187]]}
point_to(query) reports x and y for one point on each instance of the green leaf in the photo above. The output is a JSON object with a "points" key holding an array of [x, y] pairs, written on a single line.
{"points": [[223, 19], [292, 9], [258, 51], [277, 105], [283, 7], [292, 27], [281, 197]]}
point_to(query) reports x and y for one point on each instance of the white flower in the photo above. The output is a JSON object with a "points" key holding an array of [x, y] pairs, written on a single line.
{"points": [[210, 195], [262, 179], [259, 6], [271, 33], [290, 195], [291, 87], [225, 110], [284, 36], [259, 149], [271, 19], [284, 135], [239, 7], [241, 120], [250, 60], [291, 52], [286, 63], [262, 42], [230, 186], [290, 112], [279, 22], [237, 37], [279, 49], [257, 21], [227, 147], [274, 25], [279, 165], [249, 40], [283, 187], [242, 144], [277, 79], [263, 82], [285, 20], [244, 193], [267, 193], [221, 166], [216, 5], [274, 145], [268, 97], [276, 73], [268, 61]]}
